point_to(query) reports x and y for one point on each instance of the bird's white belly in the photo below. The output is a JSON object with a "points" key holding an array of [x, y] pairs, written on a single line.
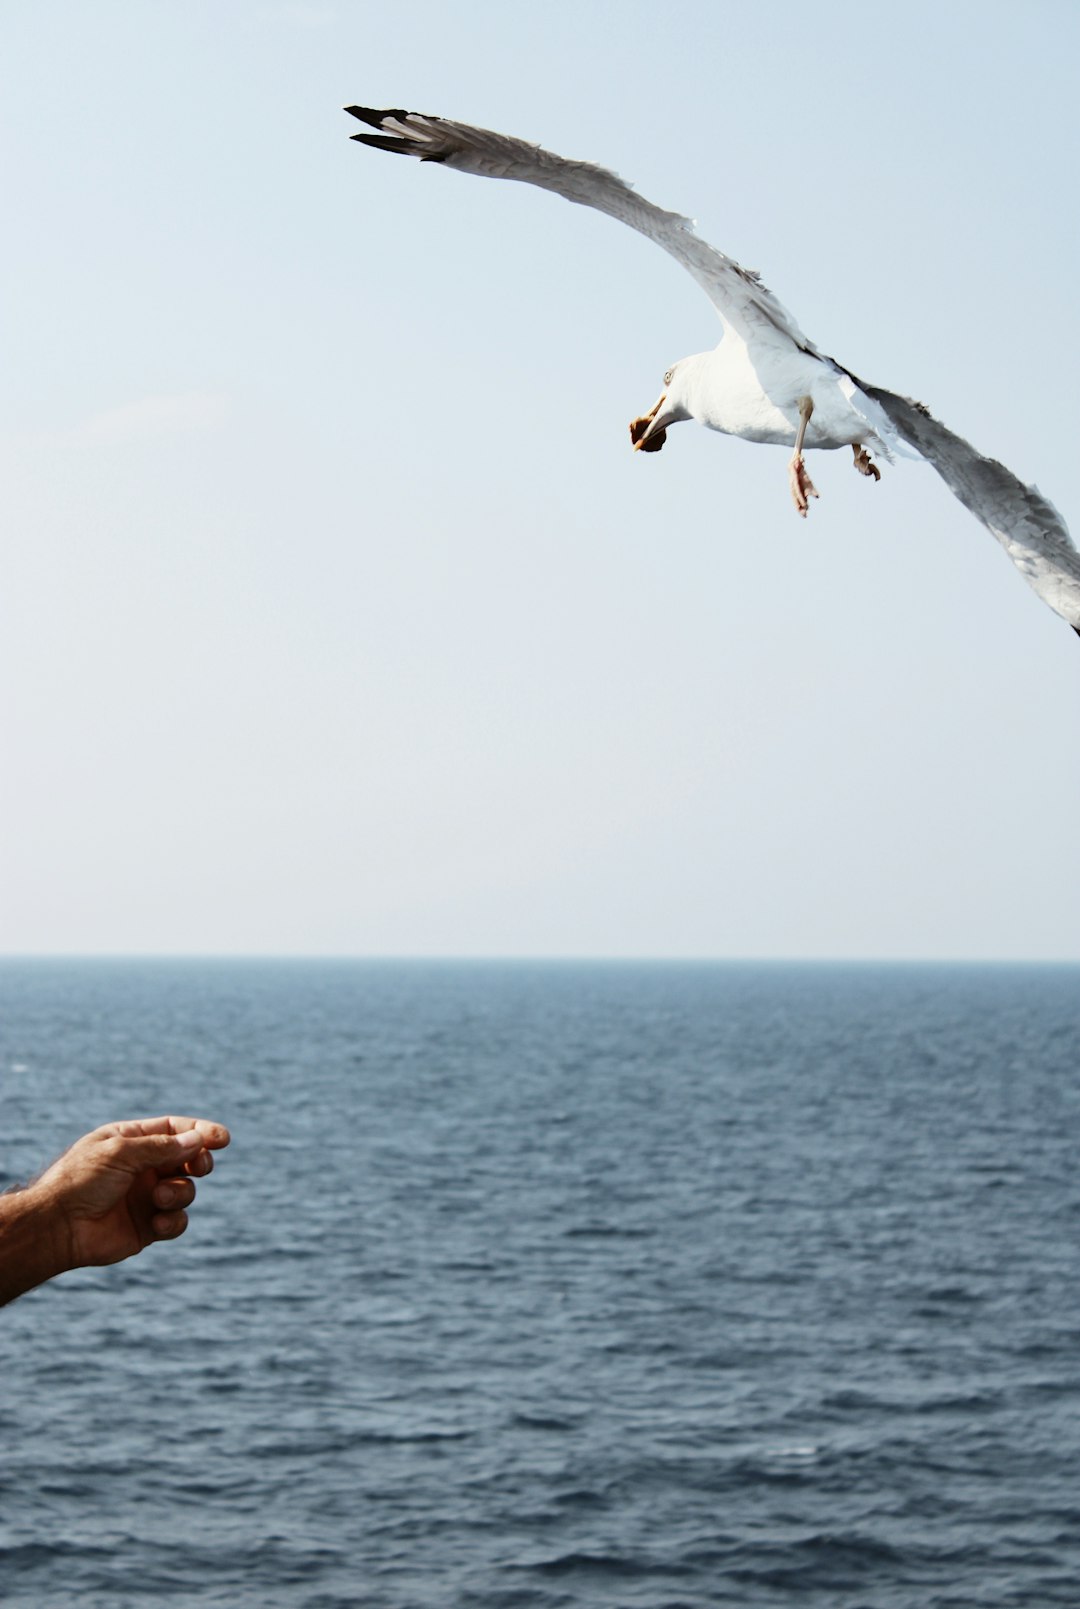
{"points": [[759, 398]]}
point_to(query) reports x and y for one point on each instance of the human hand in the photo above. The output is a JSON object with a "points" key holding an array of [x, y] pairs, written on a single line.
{"points": [[123, 1186], [108, 1196], [126, 1185]]}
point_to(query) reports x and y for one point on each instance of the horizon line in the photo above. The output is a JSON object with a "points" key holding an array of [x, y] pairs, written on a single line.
{"points": [[538, 958]]}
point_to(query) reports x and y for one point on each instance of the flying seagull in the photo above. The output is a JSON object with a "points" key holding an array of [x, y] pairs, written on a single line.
{"points": [[765, 381]]}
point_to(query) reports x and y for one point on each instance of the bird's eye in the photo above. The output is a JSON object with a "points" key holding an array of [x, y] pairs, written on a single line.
{"points": [[668, 376]]}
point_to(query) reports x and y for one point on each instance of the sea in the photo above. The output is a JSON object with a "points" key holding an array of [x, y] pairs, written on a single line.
{"points": [[556, 1285]]}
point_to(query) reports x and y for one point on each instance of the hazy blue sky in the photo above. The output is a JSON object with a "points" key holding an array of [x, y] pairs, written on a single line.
{"points": [[337, 614]]}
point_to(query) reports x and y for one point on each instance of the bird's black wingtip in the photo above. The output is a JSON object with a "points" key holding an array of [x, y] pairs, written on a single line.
{"points": [[392, 142], [385, 142], [375, 119]]}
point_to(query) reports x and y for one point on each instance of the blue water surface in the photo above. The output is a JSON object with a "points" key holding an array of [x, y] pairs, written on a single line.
{"points": [[545, 1285]]}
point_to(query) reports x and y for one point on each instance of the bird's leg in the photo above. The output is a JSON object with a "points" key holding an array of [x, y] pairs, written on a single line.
{"points": [[802, 487], [863, 462]]}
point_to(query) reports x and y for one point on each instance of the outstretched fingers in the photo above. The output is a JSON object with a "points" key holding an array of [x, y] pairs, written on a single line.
{"points": [[197, 1139], [213, 1135], [167, 1143]]}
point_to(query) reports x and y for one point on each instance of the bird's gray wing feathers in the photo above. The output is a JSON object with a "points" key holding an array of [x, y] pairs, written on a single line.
{"points": [[1027, 524], [737, 293]]}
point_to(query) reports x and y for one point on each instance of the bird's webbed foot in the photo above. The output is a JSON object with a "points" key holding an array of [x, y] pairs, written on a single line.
{"points": [[802, 487], [863, 461]]}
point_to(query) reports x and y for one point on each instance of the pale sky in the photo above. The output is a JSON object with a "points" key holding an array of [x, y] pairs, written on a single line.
{"points": [[338, 616]]}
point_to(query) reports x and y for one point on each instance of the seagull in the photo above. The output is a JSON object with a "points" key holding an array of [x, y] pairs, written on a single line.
{"points": [[765, 381]]}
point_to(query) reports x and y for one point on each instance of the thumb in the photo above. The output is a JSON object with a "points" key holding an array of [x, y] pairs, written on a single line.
{"points": [[158, 1151]]}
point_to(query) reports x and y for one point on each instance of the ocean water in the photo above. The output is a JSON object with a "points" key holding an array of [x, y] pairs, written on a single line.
{"points": [[550, 1285]]}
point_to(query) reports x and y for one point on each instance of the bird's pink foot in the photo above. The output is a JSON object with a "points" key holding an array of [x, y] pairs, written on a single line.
{"points": [[863, 461], [802, 487]]}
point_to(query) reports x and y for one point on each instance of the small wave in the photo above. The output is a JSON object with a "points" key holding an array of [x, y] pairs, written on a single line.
{"points": [[581, 1497], [603, 1231], [958, 1294], [824, 1559], [530, 1421], [853, 1400], [315, 1447], [627, 1565], [28, 1555]]}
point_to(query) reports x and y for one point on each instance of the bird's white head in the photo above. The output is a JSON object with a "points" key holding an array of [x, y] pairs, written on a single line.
{"points": [[649, 432]]}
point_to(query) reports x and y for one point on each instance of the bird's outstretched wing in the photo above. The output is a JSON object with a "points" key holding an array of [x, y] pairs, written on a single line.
{"points": [[1027, 525], [737, 293]]}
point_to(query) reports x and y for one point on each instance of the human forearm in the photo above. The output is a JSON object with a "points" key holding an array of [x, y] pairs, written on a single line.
{"points": [[31, 1240]]}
